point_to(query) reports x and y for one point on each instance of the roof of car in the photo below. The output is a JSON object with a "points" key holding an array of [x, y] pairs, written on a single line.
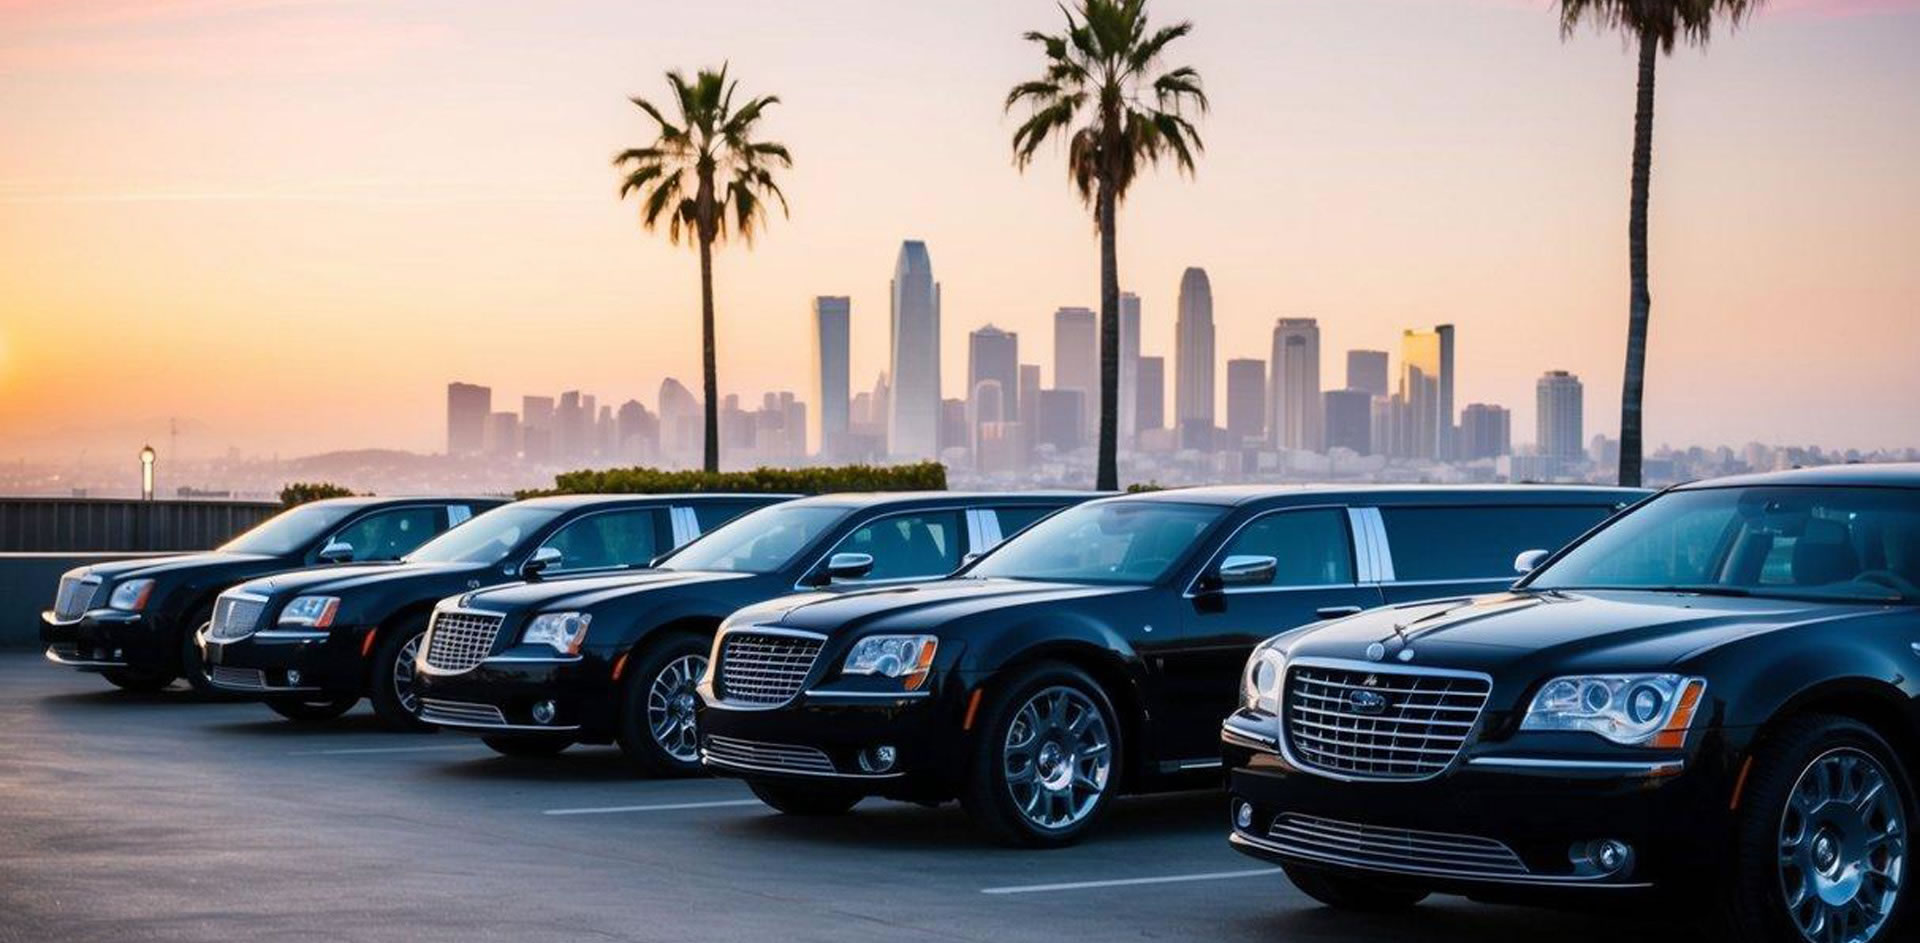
{"points": [[571, 501], [370, 501], [1233, 495], [872, 498], [1883, 475]]}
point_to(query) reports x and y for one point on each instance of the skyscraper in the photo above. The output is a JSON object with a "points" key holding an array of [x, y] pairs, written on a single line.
{"points": [[536, 428], [1151, 404], [914, 411], [1558, 422], [682, 422], [1423, 356], [1295, 417], [503, 435], [1246, 400], [1445, 448], [1076, 359], [1349, 423], [1029, 396], [1367, 370], [1485, 432], [1128, 410], [832, 338], [1059, 417], [468, 406], [994, 354], [1193, 352]]}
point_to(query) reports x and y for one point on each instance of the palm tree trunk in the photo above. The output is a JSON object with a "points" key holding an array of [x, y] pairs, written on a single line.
{"points": [[1107, 476], [709, 374], [1640, 300]]}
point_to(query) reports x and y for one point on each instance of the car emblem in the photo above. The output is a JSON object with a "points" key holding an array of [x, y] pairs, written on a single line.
{"points": [[1370, 703], [1376, 651]]}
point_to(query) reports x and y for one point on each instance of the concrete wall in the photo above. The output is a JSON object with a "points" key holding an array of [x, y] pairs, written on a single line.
{"points": [[33, 525], [27, 582]]}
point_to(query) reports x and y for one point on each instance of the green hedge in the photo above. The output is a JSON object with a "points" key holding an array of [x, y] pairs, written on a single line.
{"points": [[924, 476], [300, 492]]}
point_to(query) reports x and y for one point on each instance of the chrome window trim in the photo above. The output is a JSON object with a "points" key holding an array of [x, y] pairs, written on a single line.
{"points": [[1596, 882], [1219, 553], [802, 586], [1375, 667], [685, 525]]}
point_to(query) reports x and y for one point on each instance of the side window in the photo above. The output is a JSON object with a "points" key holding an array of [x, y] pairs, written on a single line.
{"points": [[612, 539], [711, 514], [1015, 520], [1477, 543], [1310, 548], [392, 534], [909, 546]]}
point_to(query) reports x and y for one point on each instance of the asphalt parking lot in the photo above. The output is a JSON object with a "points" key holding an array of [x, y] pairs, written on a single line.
{"points": [[165, 818]]}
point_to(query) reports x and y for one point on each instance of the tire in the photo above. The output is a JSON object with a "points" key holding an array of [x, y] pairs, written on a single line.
{"points": [[192, 667], [390, 678], [1046, 763], [138, 682], [1813, 779], [656, 728], [1356, 894], [526, 746], [805, 799], [312, 712]]}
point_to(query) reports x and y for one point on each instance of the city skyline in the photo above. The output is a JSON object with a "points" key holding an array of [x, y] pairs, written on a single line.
{"points": [[1367, 203]]}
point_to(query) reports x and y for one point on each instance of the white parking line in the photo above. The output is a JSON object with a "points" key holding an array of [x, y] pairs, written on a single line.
{"points": [[662, 807], [353, 750], [1131, 882]]}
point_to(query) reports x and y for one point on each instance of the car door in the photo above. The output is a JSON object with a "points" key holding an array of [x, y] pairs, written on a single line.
{"points": [[1434, 551], [1314, 576], [390, 533], [608, 540]]}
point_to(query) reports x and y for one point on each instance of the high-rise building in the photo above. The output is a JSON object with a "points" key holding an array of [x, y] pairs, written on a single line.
{"points": [[1423, 357], [994, 354], [914, 410], [1349, 420], [1151, 403], [468, 406], [1193, 352], [1559, 398], [1060, 415], [832, 367], [1447, 419], [1076, 358], [682, 422], [569, 427], [1129, 397], [1297, 411], [1246, 400], [1030, 399], [639, 432], [1367, 370], [503, 435], [953, 424], [1486, 431]]}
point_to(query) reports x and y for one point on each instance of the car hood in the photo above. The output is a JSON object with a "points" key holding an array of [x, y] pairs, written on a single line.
{"points": [[352, 576], [148, 567], [926, 606], [586, 591], [1598, 629]]}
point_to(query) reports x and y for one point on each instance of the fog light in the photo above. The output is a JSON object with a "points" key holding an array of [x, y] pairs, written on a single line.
{"points": [[293, 677], [119, 654], [1243, 815], [1612, 855], [543, 712], [878, 759]]}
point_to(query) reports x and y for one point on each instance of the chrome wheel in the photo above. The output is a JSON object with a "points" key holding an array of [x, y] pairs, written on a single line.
{"points": [[670, 703], [1843, 848], [1058, 758], [403, 675]]}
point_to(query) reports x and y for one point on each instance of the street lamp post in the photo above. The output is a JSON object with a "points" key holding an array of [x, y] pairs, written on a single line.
{"points": [[146, 472]]}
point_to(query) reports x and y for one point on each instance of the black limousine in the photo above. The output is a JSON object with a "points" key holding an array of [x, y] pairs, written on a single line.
{"points": [[1095, 652], [534, 667], [313, 642], [133, 621], [1714, 699]]}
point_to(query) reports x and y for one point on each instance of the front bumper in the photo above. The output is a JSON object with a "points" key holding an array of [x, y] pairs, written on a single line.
{"points": [[274, 662], [498, 695], [821, 735], [108, 639], [1494, 824]]}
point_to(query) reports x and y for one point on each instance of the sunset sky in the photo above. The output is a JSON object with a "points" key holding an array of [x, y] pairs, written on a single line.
{"points": [[288, 223]]}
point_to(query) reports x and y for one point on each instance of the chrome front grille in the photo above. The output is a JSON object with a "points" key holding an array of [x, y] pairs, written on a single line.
{"points": [[235, 616], [457, 641], [777, 756], [460, 713], [75, 597], [1393, 849], [765, 668], [1380, 724], [241, 679]]}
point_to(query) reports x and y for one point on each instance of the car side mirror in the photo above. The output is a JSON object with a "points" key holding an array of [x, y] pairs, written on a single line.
{"points": [[336, 551], [542, 560], [1530, 560], [849, 566], [1247, 570]]}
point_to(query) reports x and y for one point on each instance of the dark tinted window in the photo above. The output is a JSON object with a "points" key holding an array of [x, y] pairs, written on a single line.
{"points": [[711, 514], [1310, 548], [1478, 543], [906, 546], [610, 539], [390, 535], [1015, 520]]}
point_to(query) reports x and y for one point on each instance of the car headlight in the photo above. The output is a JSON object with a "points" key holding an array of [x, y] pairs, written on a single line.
{"points": [[1641, 710], [1260, 682], [316, 611], [131, 595], [907, 657], [562, 630]]}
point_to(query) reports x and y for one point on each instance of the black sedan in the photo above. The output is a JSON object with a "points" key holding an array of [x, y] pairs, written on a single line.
{"points": [[133, 621], [534, 667], [1093, 653], [312, 643], [1714, 699]]}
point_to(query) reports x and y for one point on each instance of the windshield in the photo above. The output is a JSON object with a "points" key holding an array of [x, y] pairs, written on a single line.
{"points": [[1133, 542], [487, 539], [763, 541], [288, 531], [1797, 542]]}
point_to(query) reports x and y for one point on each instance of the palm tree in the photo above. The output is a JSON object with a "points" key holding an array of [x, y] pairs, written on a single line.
{"points": [[709, 178], [1101, 92], [1656, 26]]}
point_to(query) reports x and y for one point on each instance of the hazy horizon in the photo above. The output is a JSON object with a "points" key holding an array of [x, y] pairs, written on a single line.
{"points": [[289, 223]]}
